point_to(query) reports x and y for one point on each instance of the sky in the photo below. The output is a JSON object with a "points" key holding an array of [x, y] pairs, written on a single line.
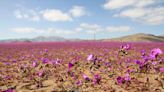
{"points": [[80, 18]]}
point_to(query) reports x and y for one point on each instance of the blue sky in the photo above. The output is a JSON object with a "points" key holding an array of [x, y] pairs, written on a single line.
{"points": [[80, 18]]}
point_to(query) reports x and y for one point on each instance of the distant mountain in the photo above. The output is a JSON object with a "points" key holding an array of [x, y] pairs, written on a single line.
{"points": [[15, 40], [37, 39], [141, 37], [130, 38], [47, 39], [162, 35]]}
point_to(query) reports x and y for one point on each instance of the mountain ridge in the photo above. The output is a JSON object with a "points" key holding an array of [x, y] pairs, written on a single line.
{"points": [[139, 37]]}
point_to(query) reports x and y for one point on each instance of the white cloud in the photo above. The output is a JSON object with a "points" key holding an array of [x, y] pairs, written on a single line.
{"points": [[118, 4], [133, 13], [118, 29], [48, 31], [95, 28], [154, 16], [78, 11], [58, 15], [83, 28], [143, 3], [18, 14], [29, 15], [24, 30], [89, 28], [59, 31], [144, 11], [151, 16], [55, 15]]}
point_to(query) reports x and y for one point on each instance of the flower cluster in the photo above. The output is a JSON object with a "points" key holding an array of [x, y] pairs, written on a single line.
{"points": [[81, 66]]}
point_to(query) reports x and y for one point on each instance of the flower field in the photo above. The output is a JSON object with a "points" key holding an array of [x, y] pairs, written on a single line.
{"points": [[82, 66]]}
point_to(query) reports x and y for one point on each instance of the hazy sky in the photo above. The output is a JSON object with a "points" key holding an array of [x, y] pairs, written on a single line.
{"points": [[80, 18]]}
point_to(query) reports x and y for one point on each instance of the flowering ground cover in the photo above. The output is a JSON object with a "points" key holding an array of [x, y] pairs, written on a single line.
{"points": [[82, 66]]}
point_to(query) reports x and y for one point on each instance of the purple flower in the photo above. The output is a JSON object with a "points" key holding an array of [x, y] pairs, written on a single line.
{"points": [[72, 74], [97, 78], [35, 64], [73, 61], [85, 77], [56, 62], [127, 77], [138, 62], [90, 57], [7, 77], [125, 47], [9, 90], [160, 60], [40, 73], [145, 58], [119, 80], [143, 52], [78, 57], [79, 82], [154, 63], [45, 60], [108, 64], [14, 61], [155, 52], [141, 66], [46, 50], [129, 71], [6, 63], [70, 65], [162, 70]]}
